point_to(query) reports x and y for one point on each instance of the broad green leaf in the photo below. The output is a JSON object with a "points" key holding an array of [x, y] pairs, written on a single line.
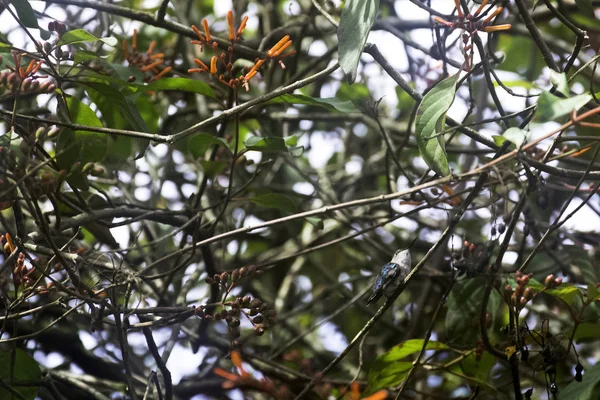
{"points": [[82, 36], [198, 144], [25, 368], [213, 168], [125, 105], [27, 16], [593, 293], [81, 56], [388, 369], [430, 122], [275, 200], [180, 84], [79, 146], [478, 369], [464, 310], [559, 80], [586, 332], [550, 107], [332, 104], [356, 21], [273, 144], [586, 7], [587, 389], [93, 144], [581, 265], [516, 136]]}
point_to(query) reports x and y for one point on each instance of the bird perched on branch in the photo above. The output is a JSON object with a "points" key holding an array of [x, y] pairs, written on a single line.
{"points": [[391, 275]]}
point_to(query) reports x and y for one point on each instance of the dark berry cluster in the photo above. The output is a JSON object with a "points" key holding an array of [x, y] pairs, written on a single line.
{"points": [[261, 315]]}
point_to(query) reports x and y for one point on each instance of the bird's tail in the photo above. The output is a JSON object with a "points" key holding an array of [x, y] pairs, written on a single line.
{"points": [[373, 297]]}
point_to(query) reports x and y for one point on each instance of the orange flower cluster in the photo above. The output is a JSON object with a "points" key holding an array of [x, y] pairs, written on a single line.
{"points": [[146, 62], [21, 275], [471, 22], [24, 79], [245, 379], [221, 65]]}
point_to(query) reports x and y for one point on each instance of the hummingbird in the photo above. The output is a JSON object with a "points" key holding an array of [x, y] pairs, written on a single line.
{"points": [[391, 275]]}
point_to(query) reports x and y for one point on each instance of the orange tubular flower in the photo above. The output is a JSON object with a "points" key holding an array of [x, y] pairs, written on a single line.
{"points": [[480, 9], [496, 28], [242, 26], [442, 21], [206, 30], [213, 65], [458, 10], [230, 25], [197, 32], [278, 45], [493, 15]]}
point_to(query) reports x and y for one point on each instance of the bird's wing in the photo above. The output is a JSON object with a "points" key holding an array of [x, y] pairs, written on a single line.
{"points": [[388, 273]]}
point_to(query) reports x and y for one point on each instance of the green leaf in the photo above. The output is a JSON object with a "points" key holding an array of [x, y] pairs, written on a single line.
{"points": [[316, 222], [81, 56], [93, 144], [27, 16], [464, 307], [587, 389], [551, 107], [198, 144], [356, 21], [180, 84], [516, 136], [478, 369], [388, 369], [586, 332], [25, 368], [275, 200], [559, 80], [586, 7], [332, 104], [82, 36], [125, 105], [431, 118], [79, 146], [272, 144], [213, 168]]}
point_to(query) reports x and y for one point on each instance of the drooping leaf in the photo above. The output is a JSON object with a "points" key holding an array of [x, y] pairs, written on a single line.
{"points": [[25, 368], [464, 306], [125, 105], [586, 7], [272, 144], [332, 104], [431, 118], [81, 145], [27, 16], [275, 200], [587, 389], [479, 369], [551, 107], [516, 136], [198, 144], [559, 80], [82, 36], [388, 369], [356, 21]]}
